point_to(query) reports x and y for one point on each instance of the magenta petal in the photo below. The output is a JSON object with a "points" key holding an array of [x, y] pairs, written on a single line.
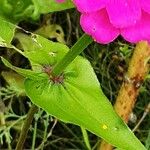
{"points": [[145, 5], [138, 32], [89, 5], [97, 25], [123, 13]]}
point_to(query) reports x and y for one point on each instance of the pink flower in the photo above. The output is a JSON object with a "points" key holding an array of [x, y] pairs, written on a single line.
{"points": [[105, 20]]}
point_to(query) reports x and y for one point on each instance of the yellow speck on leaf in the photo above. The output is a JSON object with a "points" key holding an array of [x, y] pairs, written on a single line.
{"points": [[104, 127]]}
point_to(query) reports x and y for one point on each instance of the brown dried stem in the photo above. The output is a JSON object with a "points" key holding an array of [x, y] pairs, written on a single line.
{"points": [[138, 68], [33, 109]]}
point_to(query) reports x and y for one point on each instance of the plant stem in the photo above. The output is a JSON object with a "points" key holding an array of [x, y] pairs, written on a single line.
{"points": [[147, 110], [34, 135], [86, 139], [26, 126], [77, 48], [138, 69], [46, 123]]}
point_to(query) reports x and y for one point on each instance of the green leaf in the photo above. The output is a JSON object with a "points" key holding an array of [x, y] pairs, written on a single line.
{"points": [[18, 10], [24, 72], [7, 30], [79, 100], [51, 31], [46, 6], [148, 76], [15, 81], [147, 143], [40, 50]]}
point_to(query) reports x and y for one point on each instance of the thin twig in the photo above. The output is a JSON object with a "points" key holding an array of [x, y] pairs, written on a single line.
{"points": [[26, 126], [69, 28], [147, 110], [52, 128]]}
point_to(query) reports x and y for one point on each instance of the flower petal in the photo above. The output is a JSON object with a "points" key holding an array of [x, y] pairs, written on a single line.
{"points": [[123, 13], [97, 25], [89, 5], [145, 5], [138, 32]]}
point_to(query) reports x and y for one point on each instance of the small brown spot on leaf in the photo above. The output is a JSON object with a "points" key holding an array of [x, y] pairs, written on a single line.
{"points": [[130, 93], [124, 107]]}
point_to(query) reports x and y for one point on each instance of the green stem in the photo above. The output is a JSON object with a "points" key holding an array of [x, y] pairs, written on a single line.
{"points": [[45, 132], [26, 126], [77, 48], [86, 139], [34, 135]]}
